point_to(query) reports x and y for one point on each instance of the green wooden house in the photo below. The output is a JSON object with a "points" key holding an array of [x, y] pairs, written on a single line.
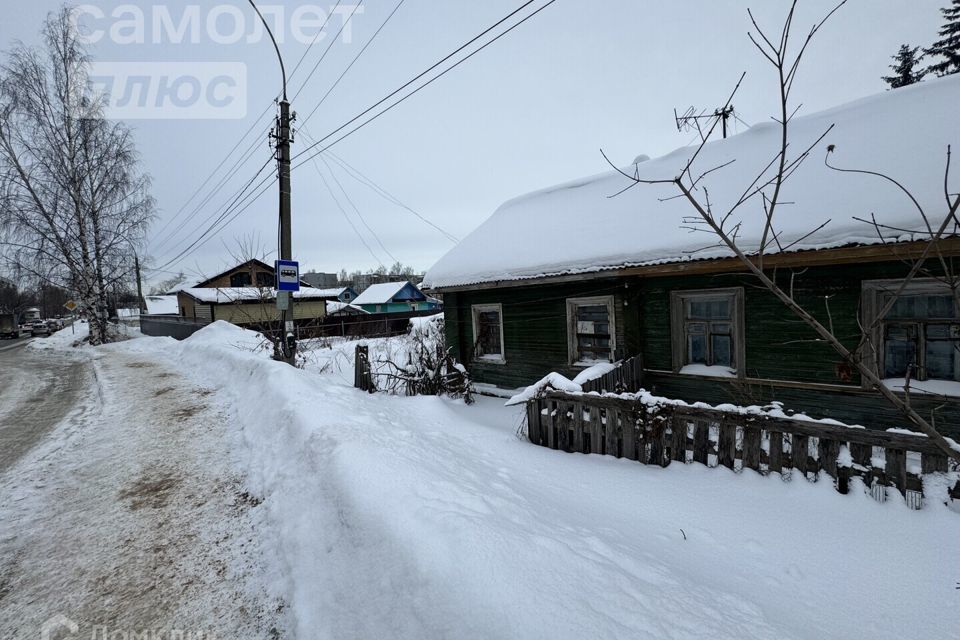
{"points": [[395, 297], [589, 272]]}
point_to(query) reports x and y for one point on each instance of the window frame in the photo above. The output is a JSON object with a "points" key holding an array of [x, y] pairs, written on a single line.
{"points": [[572, 347], [678, 333], [475, 311], [872, 292]]}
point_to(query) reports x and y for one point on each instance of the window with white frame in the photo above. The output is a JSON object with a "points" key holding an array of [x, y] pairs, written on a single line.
{"points": [[488, 332], [920, 334], [591, 334], [706, 331]]}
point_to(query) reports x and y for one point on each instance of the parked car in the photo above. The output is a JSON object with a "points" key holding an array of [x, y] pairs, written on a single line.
{"points": [[39, 328], [8, 326]]}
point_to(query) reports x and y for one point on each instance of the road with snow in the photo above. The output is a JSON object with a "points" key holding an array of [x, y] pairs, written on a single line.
{"points": [[37, 389], [120, 512]]}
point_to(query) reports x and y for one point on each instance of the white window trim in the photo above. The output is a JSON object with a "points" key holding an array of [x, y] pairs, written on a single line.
{"points": [[678, 340], [493, 358], [572, 304], [871, 291]]}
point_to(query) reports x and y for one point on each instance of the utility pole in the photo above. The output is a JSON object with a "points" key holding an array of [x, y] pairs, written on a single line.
{"points": [[287, 343], [140, 302]]}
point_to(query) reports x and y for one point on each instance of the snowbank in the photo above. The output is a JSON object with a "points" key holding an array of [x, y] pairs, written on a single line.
{"points": [[579, 228], [395, 517]]}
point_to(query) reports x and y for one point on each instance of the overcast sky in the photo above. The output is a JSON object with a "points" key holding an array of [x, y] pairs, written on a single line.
{"points": [[532, 110]]}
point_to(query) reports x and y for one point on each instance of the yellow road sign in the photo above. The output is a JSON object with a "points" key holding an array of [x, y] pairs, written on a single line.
{"points": [[71, 305]]}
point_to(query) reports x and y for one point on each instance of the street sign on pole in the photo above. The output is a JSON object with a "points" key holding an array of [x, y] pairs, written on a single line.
{"points": [[288, 275], [70, 305]]}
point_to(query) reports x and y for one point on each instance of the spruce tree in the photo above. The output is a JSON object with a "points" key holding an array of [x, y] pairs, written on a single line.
{"points": [[948, 46], [905, 62]]}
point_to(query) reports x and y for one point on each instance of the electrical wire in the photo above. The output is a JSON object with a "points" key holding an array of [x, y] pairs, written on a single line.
{"points": [[357, 175], [357, 210], [415, 91], [352, 62], [346, 217], [327, 50]]}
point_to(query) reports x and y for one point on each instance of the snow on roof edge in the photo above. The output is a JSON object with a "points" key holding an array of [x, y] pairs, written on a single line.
{"points": [[924, 126]]}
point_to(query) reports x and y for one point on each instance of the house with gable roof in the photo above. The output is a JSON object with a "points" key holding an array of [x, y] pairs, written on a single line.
{"points": [[596, 270]]}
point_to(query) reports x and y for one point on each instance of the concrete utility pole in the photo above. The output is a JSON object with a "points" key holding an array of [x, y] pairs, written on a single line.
{"points": [[282, 135], [286, 232], [140, 302]]}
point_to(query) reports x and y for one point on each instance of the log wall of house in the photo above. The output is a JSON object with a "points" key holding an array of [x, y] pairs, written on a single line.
{"points": [[784, 361]]}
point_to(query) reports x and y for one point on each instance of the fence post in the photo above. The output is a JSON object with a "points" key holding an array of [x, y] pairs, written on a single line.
{"points": [[362, 374]]}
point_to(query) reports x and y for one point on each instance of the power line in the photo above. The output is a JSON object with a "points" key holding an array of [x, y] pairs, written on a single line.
{"points": [[352, 62], [327, 50], [423, 73], [357, 175], [245, 157], [225, 212], [409, 95], [200, 240], [315, 38], [343, 211], [247, 154], [357, 210], [212, 173]]}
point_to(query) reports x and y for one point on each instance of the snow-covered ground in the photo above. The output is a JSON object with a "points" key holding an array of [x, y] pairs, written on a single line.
{"points": [[131, 517], [395, 517]]}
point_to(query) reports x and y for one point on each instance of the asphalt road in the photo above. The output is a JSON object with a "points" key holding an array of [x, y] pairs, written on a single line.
{"points": [[37, 389]]}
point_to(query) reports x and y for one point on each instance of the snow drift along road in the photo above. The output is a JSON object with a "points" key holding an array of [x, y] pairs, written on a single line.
{"points": [[424, 518]]}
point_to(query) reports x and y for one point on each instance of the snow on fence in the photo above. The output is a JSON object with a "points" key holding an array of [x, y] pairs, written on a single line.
{"points": [[663, 433], [627, 376]]}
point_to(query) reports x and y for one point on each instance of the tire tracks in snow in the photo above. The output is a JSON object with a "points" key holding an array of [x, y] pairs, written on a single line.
{"points": [[130, 517]]}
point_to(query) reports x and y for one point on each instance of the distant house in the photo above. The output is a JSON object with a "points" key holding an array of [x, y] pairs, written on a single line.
{"points": [[249, 306], [252, 273], [339, 294], [395, 297], [569, 276], [244, 295]]}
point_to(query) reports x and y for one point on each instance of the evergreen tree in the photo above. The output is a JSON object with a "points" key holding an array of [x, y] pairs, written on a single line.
{"points": [[905, 62], [948, 46]]}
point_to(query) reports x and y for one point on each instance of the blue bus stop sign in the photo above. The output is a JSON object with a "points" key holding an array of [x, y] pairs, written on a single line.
{"points": [[288, 275]]}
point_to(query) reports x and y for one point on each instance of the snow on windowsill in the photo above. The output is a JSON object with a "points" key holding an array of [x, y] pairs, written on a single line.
{"points": [[925, 387], [710, 371]]}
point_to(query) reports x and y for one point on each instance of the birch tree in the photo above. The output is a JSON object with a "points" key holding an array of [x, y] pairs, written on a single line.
{"points": [[74, 205]]}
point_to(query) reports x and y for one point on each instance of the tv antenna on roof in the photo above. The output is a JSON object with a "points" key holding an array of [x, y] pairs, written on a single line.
{"points": [[691, 119]]}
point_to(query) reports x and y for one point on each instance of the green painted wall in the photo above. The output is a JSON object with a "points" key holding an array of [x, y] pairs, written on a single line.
{"points": [[778, 345]]}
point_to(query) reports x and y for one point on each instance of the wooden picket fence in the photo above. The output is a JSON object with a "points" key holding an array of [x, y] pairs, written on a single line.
{"points": [[627, 377], [664, 433]]}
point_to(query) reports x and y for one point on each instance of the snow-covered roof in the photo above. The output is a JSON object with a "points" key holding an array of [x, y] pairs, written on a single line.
{"points": [[331, 292], [334, 307], [161, 305], [380, 293], [578, 227], [241, 294]]}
